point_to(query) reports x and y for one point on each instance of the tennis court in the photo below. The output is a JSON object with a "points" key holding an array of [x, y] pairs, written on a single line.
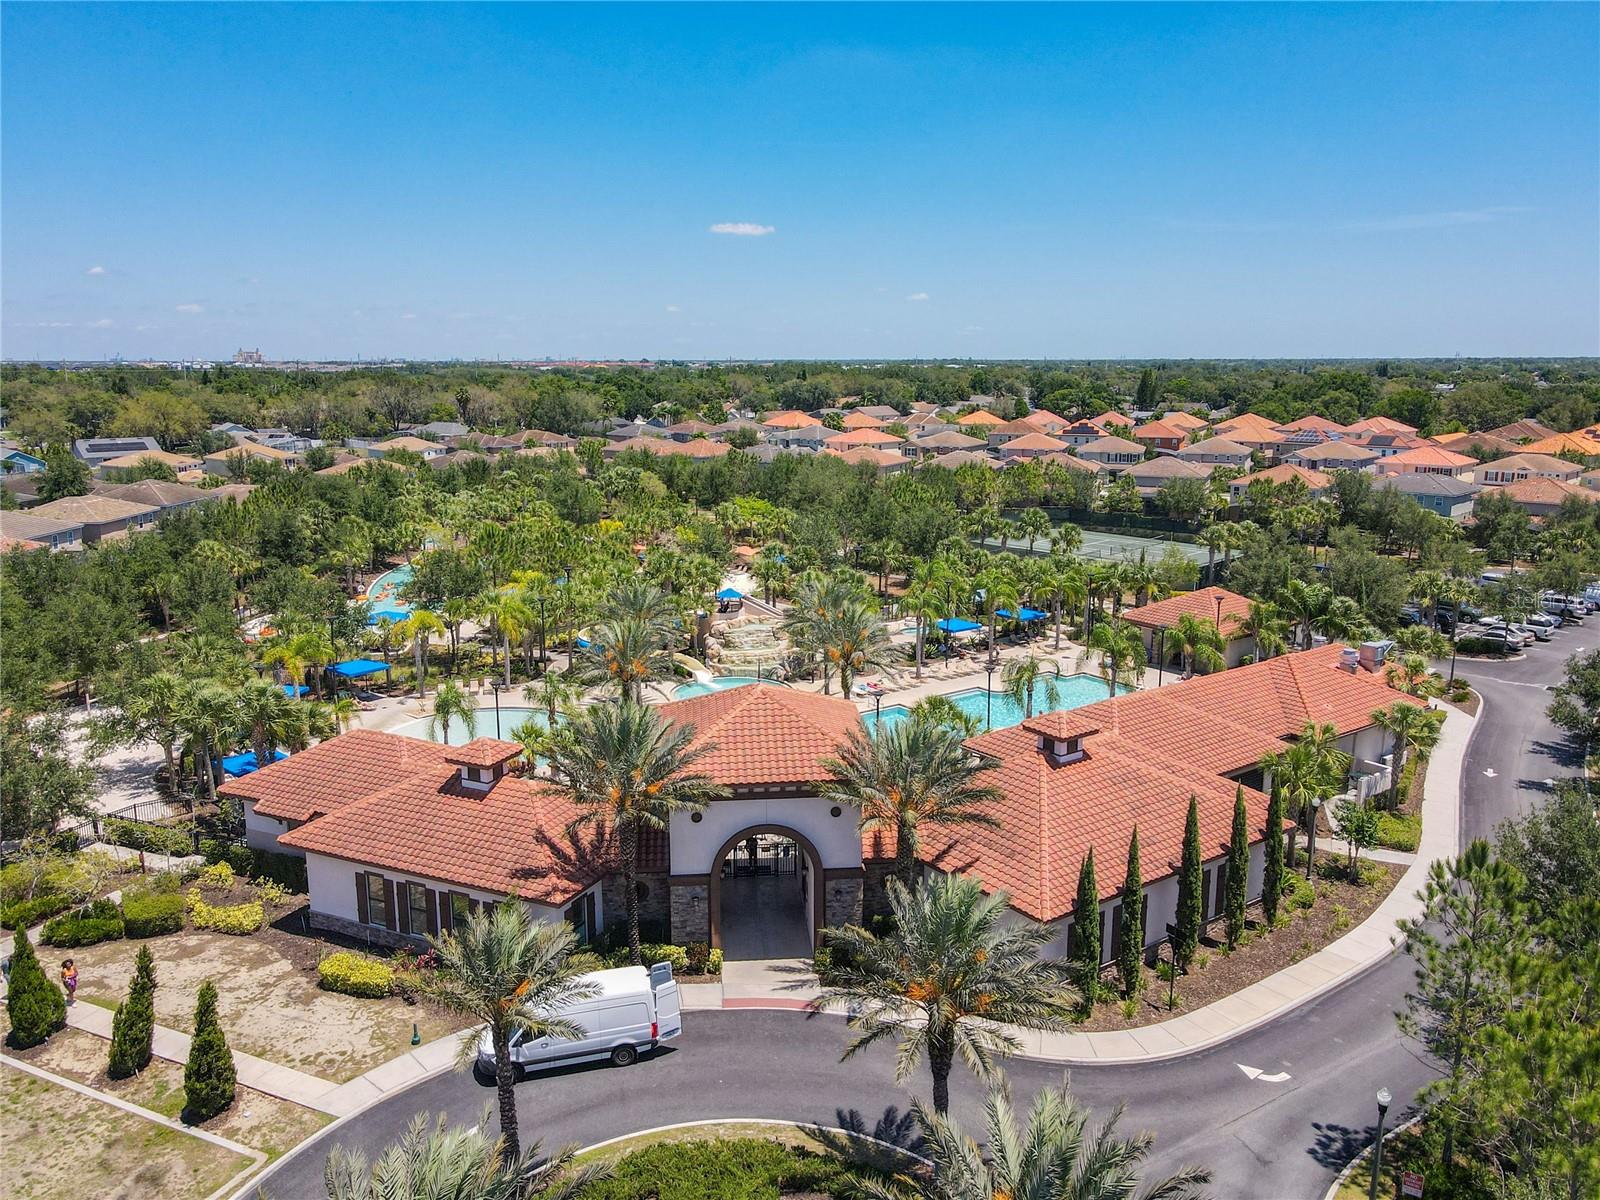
{"points": [[1125, 546]]}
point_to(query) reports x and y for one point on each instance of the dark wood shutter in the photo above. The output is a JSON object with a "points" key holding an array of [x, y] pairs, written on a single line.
{"points": [[446, 917], [432, 897], [388, 905], [404, 914], [361, 898]]}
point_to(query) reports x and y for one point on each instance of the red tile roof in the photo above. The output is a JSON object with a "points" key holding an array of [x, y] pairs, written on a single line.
{"points": [[1035, 441], [763, 734], [482, 752], [1315, 481], [1429, 456], [980, 416], [334, 773], [1163, 614], [788, 419], [863, 437], [1382, 425]]}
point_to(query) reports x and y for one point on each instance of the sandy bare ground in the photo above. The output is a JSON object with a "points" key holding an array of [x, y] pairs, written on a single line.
{"points": [[58, 1144], [270, 1006]]}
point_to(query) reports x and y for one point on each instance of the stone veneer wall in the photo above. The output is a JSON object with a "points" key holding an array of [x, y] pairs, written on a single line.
{"points": [[841, 900], [875, 900], [691, 913], [356, 931]]}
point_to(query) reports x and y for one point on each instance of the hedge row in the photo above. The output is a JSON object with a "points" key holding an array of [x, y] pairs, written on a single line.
{"points": [[355, 975], [24, 914], [97, 922], [698, 959], [152, 839], [152, 915]]}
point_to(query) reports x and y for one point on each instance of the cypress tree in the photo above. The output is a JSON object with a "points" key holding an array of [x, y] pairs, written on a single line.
{"points": [[1187, 939], [1086, 929], [1145, 397], [208, 1076], [1238, 885], [1272, 859], [1131, 952], [134, 1026], [33, 1001]]}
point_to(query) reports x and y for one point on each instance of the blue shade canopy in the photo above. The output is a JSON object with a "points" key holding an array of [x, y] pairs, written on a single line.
{"points": [[243, 764], [358, 667], [1027, 614], [957, 625], [295, 689], [394, 614], [730, 594]]}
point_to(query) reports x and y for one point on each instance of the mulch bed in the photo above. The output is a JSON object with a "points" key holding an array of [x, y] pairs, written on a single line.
{"points": [[1340, 907]]}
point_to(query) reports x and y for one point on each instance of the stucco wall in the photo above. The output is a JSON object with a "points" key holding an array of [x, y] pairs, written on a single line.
{"points": [[695, 843], [261, 833], [332, 884]]}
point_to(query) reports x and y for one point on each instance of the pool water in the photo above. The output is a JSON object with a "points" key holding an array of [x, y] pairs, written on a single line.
{"points": [[385, 590], [484, 724], [1073, 691], [720, 684]]}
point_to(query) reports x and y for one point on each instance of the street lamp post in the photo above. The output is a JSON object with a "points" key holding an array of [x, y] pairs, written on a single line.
{"points": [[572, 641], [1161, 654], [988, 692], [541, 635], [1377, 1146], [495, 684], [877, 710], [1311, 834]]}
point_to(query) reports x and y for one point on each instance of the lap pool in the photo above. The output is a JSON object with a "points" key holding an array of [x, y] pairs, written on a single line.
{"points": [[1072, 691]]}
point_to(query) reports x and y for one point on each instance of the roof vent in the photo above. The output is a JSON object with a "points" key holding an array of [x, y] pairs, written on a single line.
{"points": [[1059, 736], [481, 762], [1349, 659], [1372, 654]]}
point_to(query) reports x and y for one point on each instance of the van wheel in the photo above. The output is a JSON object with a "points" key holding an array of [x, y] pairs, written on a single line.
{"points": [[624, 1056]]}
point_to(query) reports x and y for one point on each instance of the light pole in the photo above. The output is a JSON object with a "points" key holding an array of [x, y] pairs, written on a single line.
{"points": [[988, 692], [1377, 1146], [1161, 654], [495, 684], [877, 710], [541, 635], [572, 641], [1311, 834]]}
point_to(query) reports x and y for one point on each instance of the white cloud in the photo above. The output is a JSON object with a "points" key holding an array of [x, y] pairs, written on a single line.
{"points": [[188, 308], [102, 323], [917, 296], [673, 308], [743, 228], [95, 271]]}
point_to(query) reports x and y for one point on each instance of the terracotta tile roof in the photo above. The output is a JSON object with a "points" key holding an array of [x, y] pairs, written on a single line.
{"points": [[1034, 441], [1183, 420], [1432, 456], [1381, 425], [1045, 421], [1312, 423], [1212, 447], [948, 439], [788, 419], [1163, 614], [513, 839], [1111, 445], [1315, 481], [1538, 464], [1247, 423], [1462, 442], [333, 773], [981, 416], [870, 455], [1565, 443], [863, 437], [1169, 467], [1160, 429], [1072, 462], [857, 419], [1523, 430], [407, 442], [1064, 725], [1341, 453], [482, 752], [1540, 491], [961, 458], [178, 462], [763, 734]]}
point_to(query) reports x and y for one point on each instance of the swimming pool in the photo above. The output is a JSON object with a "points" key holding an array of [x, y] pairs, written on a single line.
{"points": [[484, 724], [384, 594], [720, 684], [1072, 691]]}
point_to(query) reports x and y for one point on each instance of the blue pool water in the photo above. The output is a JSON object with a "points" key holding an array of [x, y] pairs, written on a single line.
{"points": [[720, 684], [385, 590], [1072, 691]]}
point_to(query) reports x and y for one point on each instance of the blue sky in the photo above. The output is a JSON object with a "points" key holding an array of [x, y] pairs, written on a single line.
{"points": [[1076, 181]]}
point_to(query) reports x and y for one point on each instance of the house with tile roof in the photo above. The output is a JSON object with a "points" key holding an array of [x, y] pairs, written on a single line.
{"points": [[421, 447], [1217, 452], [1580, 444], [954, 460], [1540, 498], [1160, 435], [55, 533], [1046, 422], [236, 458], [1150, 475], [1525, 430], [98, 517], [1443, 495], [1183, 420], [181, 464], [404, 837], [884, 462], [1224, 609], [1316, 482], [164, 497], [1479, 445], [1381, 425], [980, 417], [789, 419], [1032, 445], [1516, 467], [852, 438], [943, 442], [858, 418], [1386, 445], [1334, 456], [1427, 460], [1115, 454]]}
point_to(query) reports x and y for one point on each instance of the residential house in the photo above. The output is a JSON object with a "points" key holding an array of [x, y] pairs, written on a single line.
{"points": [[1181, 419], [164, 497], [1224, 609], [1445, 495], [1161, 435], [979, 417], [851, 439], [884, 462], [1481, 446], [799, 437], [99, 517], [1032, 445], [1387, 445], [1580, 444], [1113, 453], [413, 445], [1325, 429], [944, 442], [858, 418], [1216, 452], [887, 413], [954, 460], [999, 435], [1152, 474], [1516, 467], [1428, 460], [55, 532], [1381, 425], [19, 462], [181, 464], [1042, 420], [1523, 431], [1245, 425], [95, 451], [1316, 483], [235, 460], [788, 419], [687, 431], [1542, 497], [1334, 456]]}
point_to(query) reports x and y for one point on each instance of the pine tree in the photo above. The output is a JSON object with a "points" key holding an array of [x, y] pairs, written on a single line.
{"points": [[33, 1001], [134, 1025], [208, 1076], [1187, 939], [1086, 929], [1238, 893], [1145, 398], [1131, 952], [1272, 859]]}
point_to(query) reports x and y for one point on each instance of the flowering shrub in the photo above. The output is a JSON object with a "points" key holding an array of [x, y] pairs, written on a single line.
{"points": [[355, 975], [225, 918], [217, 875]]}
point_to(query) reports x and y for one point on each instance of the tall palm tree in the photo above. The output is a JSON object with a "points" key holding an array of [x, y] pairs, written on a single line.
{"points": [[856, 641], [1022, 676], [813, 620], [551, 691], [1121, 649], [315, 649], [1201, 645], [1304, 603], [626, 653], [1055, 1156], [1267, 627], [457, 611], [1307, 773], [1413, 730], [1033, 524], [343, 710], [451, 702], [417, 629], [907, 775], [628, 770], [1214, 537], [266, 715], [153, 709], [946, 982], [210, 717], [511, 618], [506, 972], [465, 1163], [1062, 586], [996, 588]]}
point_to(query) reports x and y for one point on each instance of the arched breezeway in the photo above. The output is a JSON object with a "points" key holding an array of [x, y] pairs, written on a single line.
{"points": [[765, 894]]}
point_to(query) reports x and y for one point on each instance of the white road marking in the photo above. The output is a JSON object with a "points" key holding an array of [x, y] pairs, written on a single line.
{"points": [[1491, 772], [1261, 1077]]}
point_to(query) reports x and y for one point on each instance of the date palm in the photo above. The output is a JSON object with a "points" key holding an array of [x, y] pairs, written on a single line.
{"points": [[908, 775], [1413, 730], [1022, 677], [947, 981], [1121, 650], [624, 653], [1056, 1155], [506, 973], [628, 770], [1200, 643], [995, 588]]}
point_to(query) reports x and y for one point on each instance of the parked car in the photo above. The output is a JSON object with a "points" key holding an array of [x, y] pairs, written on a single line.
{"points": [[1520, 628], [1505, 639], [1560, 606], [1539, 620], [633, 1010]]}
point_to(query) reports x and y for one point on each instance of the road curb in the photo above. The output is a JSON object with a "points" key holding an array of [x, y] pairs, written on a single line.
{"points": [[1349, 1167]]}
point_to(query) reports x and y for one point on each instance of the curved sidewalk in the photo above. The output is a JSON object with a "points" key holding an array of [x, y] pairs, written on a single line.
{"points": [[1265, 1000]]}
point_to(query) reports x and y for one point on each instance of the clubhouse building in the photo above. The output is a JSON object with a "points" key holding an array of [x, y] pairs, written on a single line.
{"points": [[404, 837]]}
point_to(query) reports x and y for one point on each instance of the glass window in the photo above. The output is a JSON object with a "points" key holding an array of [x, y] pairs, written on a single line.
{"points": [[377, 913], [460, 909], [417, 901]]}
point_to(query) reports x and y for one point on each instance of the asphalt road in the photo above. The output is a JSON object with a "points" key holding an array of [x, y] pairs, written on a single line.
{"points": [[1264, 1141]]}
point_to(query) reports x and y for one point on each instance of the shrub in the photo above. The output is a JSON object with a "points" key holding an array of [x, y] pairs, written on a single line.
{"points": [[69, 931], [26, 913], [284, 869], [153, 839], [217, 875], [225, 918], [729, 1169], [152, 915], [34, 1003], [355, 975], [270, 891], [699, 953], [1298, 892], [1399, 831], [209, 1079], [134, 1025], [653, 952], [714, 962], [1478, 645]]}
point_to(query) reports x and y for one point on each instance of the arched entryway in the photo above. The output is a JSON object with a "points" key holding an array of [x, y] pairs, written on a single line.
{"points": [[766, 894]]}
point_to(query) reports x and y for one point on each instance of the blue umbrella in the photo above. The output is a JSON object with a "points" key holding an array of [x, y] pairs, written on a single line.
{"points": [[357, 668]]}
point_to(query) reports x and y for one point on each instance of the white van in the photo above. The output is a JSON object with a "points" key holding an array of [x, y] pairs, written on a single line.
{"points": [[632, 1010]]}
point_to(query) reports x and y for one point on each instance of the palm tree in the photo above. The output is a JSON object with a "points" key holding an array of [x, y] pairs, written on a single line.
{"points": [[1411, 674], [464, 1163], [1309, 771], [1343, 620], [1202, 646], [1033, 525], [266, 715], [153, 709], [315, 649], [1414, 730], [995, 588], [1121, 649], [856, 641], [507, 972], [1063, 586], [1268, 627], [456, 611], [511, 618], [626, 653], [1019, 679], [343, 710], [941, 710], [907, 775], [812, 621], [627, 769], [452, 702], [948, 979], [210, 717], [1304, 603], [1055, 1156], [1214, 537], [416, 629], [551, 691]]}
